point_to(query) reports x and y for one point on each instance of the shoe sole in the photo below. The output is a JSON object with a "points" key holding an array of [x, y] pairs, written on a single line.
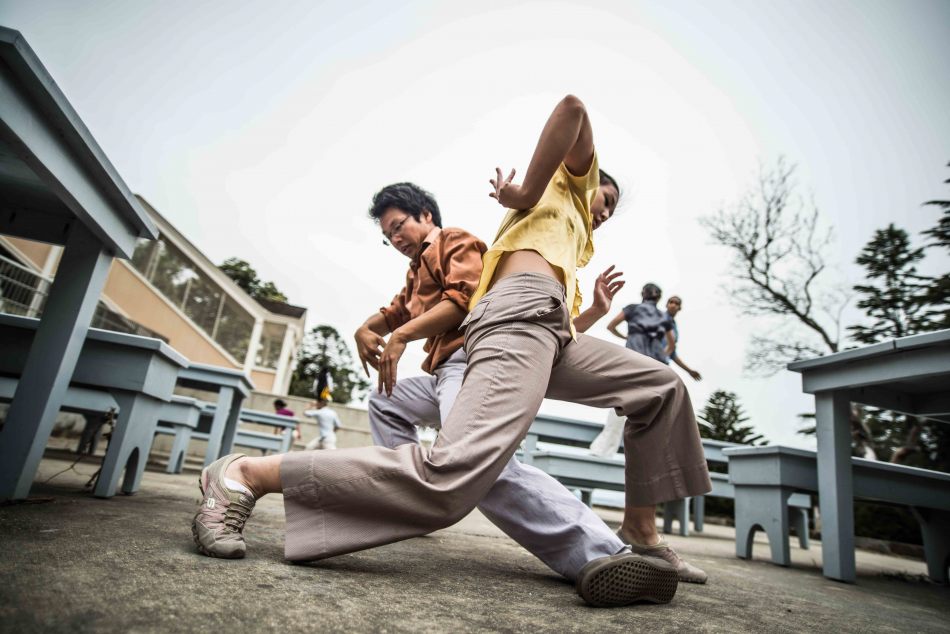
{"points": [[194, 528], [622, 580]]}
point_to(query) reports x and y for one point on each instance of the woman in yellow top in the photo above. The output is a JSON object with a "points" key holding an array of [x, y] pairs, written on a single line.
{"points": [[522, 344], [545, 236]]}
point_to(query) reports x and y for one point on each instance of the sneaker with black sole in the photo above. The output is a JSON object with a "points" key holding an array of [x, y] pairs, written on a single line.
{"points": [[626, 578], [218, 526]]}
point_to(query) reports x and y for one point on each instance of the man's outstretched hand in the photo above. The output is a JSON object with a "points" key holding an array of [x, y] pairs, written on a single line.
{"points": [[388, 361], [369, 347]]}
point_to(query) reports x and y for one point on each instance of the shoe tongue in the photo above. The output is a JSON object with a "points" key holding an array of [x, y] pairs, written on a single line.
{"points": [[234, 485]]}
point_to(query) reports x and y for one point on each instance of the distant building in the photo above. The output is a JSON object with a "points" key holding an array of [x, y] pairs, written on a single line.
{"points": [[171, 290]]}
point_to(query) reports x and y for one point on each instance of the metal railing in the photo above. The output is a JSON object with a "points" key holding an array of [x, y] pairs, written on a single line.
{"points": [[24, 292]]}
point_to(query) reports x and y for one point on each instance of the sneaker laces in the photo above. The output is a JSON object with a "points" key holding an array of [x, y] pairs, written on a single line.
{"points": [[236, 515]]}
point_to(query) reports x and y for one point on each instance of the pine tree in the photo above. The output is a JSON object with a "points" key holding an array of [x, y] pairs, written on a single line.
{"points": [[900, 303], [727, 418], [323, 347], [892, 297], [937, 297]]}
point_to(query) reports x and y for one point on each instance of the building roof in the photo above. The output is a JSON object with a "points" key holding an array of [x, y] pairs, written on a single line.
{"points": [[282, 308]]}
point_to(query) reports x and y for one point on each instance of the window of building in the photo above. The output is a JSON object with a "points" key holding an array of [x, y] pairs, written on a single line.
{"points": [[272, 341], [234, 328], [195, 294]]}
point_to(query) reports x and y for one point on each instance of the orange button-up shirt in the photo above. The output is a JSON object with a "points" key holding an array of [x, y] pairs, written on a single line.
{"points": [[447, 267]]}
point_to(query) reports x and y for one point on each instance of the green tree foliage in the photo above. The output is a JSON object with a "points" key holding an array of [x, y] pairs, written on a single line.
{"points": [[728, 419], [324, 347], [892, 296], [900, 302], [246, 277], [937, 296]]}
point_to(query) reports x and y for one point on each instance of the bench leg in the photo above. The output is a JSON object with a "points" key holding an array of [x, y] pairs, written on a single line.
{"points": [[764, 508], [530, 446], [935, 529], [219, 423], [91, 435], [676, 510], [835, 485], [586, 496], [59, 338], [801, 526], [128, 448], [699, 512], [288, 440], [176, 460]]}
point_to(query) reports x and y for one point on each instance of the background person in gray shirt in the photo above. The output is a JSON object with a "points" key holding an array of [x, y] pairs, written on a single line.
{"points": [[649, 329]]}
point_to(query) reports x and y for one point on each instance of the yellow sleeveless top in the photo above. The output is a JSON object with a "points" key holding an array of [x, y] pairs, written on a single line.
{"points": [[558, 228]]}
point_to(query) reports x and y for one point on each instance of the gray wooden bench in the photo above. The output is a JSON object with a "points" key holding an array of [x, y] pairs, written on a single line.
{"points": [[79, 400], [799, 503], [204, 419], [230, 387], [585, 473], [139, 373], [581, 471], [179, 418], [765, 477]]}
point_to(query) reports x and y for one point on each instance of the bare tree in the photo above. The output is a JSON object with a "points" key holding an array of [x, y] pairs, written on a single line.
{"points": [[779, 253]]}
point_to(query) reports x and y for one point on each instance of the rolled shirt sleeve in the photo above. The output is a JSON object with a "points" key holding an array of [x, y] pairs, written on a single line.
{"points": [[397, 313], [461, 266]]}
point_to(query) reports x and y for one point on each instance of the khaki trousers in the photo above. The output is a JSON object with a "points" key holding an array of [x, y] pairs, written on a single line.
{"points": [[519, 350], [530, 506]]}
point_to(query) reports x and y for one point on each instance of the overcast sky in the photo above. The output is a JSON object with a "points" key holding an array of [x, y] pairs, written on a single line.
{"points": [[261, 130]]}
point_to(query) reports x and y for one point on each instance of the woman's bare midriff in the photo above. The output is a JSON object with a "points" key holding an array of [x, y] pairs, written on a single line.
{"points": [[524, 261]]}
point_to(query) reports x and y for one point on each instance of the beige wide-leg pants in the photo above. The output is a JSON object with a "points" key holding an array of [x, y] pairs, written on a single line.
{"points": [[519, 350]]}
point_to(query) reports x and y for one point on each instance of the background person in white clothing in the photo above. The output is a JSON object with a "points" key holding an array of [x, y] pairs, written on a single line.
{"points": [[328, 422]]}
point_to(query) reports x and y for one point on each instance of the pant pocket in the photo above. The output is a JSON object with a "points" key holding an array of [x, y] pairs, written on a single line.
{"points": [[476, 313], [554, 304]]}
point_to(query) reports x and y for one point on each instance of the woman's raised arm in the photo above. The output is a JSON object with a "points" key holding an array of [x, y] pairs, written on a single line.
{"points": [[567, 137]]}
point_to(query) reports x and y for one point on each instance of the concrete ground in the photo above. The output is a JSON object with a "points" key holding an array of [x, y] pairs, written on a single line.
{"points": [[73, 563]]}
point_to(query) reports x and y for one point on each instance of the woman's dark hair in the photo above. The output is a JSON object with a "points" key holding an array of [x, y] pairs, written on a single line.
{"points": [[406, 196], [280, 403], [607, 179], [651, 292]]}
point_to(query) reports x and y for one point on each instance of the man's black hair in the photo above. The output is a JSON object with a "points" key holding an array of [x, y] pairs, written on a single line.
{"points": [[406, 196], [651, 292], [280, 403]]}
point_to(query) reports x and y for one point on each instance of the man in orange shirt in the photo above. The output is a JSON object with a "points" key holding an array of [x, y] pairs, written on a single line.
{"points": [[444, 269]]}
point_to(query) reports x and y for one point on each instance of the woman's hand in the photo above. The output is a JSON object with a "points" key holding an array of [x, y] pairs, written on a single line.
{"points": [[509, 195], [607, 285]]}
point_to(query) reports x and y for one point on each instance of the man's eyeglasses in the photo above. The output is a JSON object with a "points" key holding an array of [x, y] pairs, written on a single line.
{"points": [[397, 228]]}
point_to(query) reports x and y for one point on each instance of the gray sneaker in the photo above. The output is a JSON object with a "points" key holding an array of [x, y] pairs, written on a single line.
{"points": [[218, 526], [686, 571], [625, 578]]}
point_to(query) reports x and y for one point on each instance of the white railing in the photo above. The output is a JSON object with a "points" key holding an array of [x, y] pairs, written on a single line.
{"points": [[22, 291]]}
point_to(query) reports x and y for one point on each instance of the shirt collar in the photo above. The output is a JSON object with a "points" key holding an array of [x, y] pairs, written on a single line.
{"points": [[429, 239]]}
